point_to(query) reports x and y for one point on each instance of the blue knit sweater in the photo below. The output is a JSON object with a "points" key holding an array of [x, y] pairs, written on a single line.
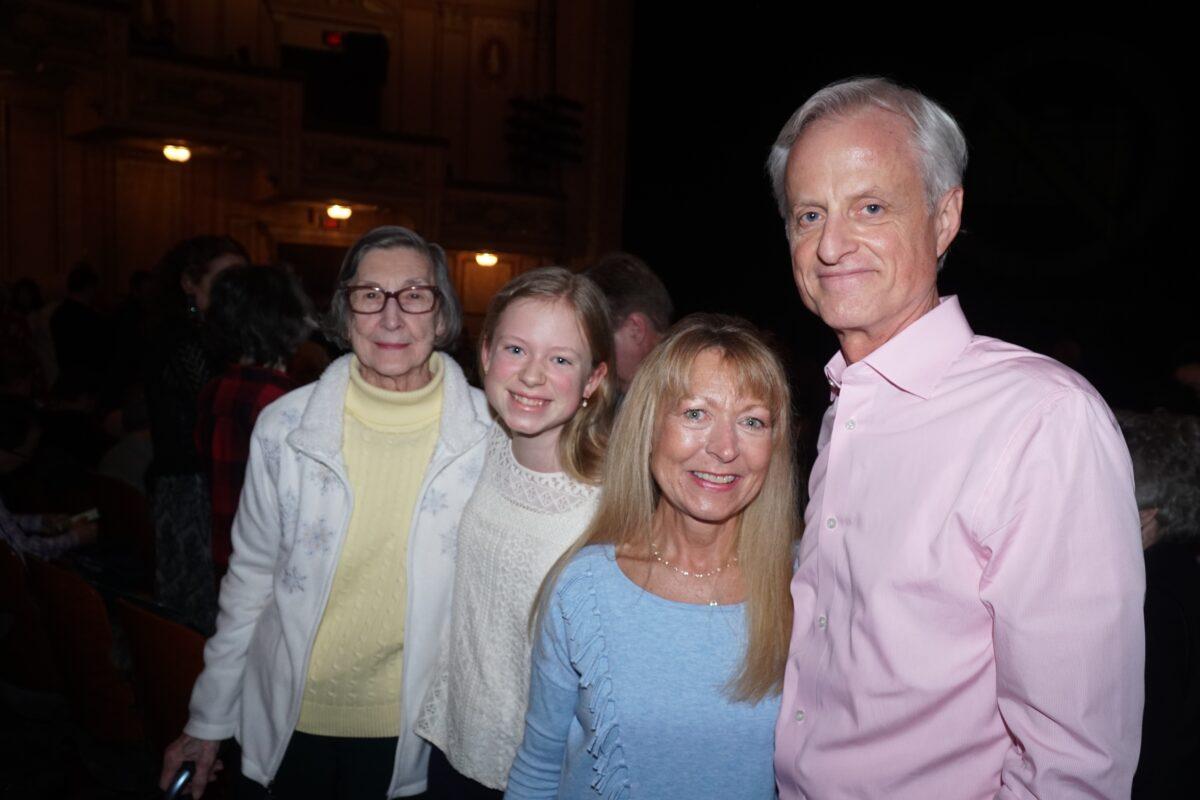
{"points": [[627, 697]]}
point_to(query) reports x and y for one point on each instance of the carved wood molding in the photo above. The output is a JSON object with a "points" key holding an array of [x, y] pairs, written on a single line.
{"points": [[357, 167], [506, 221], [167, 93]]}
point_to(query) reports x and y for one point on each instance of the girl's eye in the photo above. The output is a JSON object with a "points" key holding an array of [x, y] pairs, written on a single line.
{"points": [[514, 349], [562, 362]]}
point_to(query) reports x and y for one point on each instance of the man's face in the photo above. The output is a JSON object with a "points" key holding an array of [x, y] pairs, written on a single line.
{"points": [[864, 241]]}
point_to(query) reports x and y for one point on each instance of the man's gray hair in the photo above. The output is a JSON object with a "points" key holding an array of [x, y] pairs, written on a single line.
{"points": [[939, 141], [1165, 450], [388, 237]]}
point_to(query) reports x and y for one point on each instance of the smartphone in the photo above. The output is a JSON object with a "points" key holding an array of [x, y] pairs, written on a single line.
{"points": [[181, 780], [91, 515]]}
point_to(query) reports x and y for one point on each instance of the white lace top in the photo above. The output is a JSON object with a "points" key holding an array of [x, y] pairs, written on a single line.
{"points": [[514, 527]]}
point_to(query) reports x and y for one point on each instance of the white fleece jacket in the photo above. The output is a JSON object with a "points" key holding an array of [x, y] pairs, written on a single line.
{"points": [[287, 537]]}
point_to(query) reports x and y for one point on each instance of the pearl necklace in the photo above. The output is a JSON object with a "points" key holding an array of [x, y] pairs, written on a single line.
{"points": [[698, 575]]}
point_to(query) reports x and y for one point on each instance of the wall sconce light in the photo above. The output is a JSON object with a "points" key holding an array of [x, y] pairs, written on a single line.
{"points": [[176, 152], [336, 211], [486, 259]]}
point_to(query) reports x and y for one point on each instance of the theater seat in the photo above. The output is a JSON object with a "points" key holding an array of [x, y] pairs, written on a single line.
{"points": [[26, 659], [78, 629], [167, 658]]}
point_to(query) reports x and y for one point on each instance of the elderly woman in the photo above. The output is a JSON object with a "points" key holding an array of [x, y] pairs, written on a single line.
{"points": [[662, 635], [343, 545], [1165, 449]]}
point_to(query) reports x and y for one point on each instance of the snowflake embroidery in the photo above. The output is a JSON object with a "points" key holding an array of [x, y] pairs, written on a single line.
{"points": [[434, 502], [289, 504], [293, 581], [471, 470], [271, 450], [317, 538], [325, 479]]}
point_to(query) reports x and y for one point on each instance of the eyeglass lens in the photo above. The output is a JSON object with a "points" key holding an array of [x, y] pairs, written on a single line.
{"points": [[372, 299]]}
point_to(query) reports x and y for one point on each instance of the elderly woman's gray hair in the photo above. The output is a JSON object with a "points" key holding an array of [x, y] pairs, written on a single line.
{"points": [[939, 141], [387, 237], [1165, 449]]}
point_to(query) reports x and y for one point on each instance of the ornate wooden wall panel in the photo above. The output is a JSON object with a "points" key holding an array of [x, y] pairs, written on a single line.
{"points": [[149, 204], [494, 76], [503, 221], [32, 192], [451, 81], [417, 61], [199, 27]]}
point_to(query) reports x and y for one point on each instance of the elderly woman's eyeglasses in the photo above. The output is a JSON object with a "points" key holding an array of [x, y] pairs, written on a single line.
{"points": [[367, 299]]}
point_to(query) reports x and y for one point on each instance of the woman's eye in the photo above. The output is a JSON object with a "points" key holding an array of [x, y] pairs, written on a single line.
{"points": [[514, 349], [693, 415], [755, 423]]}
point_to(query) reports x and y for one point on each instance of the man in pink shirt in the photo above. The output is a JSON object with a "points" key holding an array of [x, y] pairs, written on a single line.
{"points": [[969, 586]]}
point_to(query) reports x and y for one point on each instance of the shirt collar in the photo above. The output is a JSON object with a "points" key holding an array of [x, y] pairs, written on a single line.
{"points": [[915, 359]]}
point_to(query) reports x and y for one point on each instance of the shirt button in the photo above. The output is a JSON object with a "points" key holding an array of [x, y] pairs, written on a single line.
{"points": [[831, 523], [799, 716], [822, 622], [850, 424]]}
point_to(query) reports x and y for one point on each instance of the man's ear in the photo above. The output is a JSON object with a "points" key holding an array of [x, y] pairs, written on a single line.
{"points": [[637, 327], [948, 218]]}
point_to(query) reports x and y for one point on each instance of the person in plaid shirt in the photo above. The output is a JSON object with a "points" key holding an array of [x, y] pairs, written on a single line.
{"points": [[257, 318]]}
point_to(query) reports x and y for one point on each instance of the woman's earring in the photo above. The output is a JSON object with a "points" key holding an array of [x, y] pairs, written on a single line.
{"points": [[584, 403]]}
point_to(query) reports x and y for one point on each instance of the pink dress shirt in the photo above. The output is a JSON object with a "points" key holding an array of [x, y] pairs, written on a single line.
{"points": [[969, 590]]}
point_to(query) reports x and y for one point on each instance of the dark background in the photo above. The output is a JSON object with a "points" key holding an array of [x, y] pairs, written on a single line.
{"points": [[1079, 220]]}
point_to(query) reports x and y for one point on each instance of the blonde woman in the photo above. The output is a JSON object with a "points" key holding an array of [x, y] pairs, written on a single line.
{"points": [[663, 634]]}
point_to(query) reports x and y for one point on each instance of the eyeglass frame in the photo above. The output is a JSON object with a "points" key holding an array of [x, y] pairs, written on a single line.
{"points": [[437, 296]]}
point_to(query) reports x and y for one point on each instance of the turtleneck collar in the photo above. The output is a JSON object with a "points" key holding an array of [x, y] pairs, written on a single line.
{"points": [[395, 412]]}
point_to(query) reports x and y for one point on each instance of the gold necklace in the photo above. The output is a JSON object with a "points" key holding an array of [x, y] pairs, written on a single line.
{"points": [[685, 573]]}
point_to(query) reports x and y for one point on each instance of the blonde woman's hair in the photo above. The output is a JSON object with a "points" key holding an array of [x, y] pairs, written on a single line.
{"points": [[585, 436], [769, 525]]}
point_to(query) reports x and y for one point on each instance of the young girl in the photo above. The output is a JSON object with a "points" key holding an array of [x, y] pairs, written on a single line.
{"points": [[545, 355]]}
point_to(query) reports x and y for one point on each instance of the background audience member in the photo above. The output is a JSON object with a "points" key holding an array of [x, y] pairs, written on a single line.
{"points": [[639, 306], [257, 317], [178, 367], [79, 330], [21, 370], [42, 535], [130, 457], [1165, 449]]}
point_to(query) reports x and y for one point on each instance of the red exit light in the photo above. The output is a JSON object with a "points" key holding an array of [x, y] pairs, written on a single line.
{"points": [[332, 38]]}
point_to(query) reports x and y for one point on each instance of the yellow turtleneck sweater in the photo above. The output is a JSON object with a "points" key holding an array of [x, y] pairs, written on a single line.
{"points": [[354, 672]]}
